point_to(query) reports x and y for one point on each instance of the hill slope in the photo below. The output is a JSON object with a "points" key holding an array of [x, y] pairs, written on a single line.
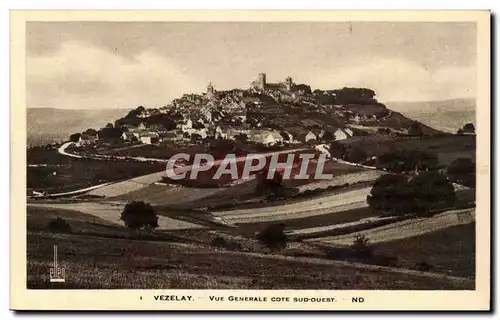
{"points": [[447, 115], [48, 125]]}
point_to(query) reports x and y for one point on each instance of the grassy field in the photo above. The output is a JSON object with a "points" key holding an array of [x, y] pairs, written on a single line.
{"points": [[449, 251], [101, 255], [447, 147], [100, 263], [309, 222], [68, 174]]}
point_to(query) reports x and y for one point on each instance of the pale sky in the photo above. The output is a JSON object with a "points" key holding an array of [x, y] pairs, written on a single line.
{"points": [[126, 64]]}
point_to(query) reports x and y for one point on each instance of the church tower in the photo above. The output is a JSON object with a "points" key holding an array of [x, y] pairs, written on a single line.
{"points": [[210, 88], [289, 83], [262, 80]]}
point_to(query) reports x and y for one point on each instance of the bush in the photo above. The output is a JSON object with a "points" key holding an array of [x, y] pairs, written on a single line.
{"points": [[139, 215], [362, 246], [399, 161], [224, 243], [415, 129], [429, 191], [385, 260], [463, 171], [59, 225], [423, 266], [273, 236], [356, 155], [389, 195]]}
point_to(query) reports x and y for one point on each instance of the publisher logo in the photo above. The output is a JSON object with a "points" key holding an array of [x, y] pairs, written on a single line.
{"points": [[56, 273]]}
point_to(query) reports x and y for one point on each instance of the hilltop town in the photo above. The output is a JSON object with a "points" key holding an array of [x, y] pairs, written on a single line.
{"points": [[265, 113]]}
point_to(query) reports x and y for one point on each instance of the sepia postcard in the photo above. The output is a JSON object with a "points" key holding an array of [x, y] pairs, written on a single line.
{"points": [[250, 160]]}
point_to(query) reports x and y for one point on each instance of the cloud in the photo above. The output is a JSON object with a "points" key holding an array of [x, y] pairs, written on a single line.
{"points": [[402, 80], [80, 75], [83, 76]]}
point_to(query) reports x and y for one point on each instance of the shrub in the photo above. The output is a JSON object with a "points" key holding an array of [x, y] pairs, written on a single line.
{"points": [[423, 266], [362, 246], [273, 236], [429, 191], [139, 215], [389, 195], [385, 260], [415, 129], [463, 171], [59, 225], [398, 161], [469, 128], [224, 243]]}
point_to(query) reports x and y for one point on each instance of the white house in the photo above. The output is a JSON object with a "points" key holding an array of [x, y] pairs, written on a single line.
{"points": [[306, 136], [266, 137], [128, 136], [149, 137], [186, 126], [340, 135], [87, 139], [272, 137]]}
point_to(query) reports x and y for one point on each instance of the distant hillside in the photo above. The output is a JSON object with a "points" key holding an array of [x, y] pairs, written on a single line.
{"points": [[292, 108], [48, 125], [447, 115], [289, 107]]}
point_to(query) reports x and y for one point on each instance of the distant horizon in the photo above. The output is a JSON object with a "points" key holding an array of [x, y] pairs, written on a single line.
{"points": [[130, 108]]}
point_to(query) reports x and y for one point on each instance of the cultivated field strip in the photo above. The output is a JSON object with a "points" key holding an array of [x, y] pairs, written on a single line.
{"points": [[119, 188], [339, 225], [350, 178], [317, 206], [112, 211], [161, 194], [405, 229]]}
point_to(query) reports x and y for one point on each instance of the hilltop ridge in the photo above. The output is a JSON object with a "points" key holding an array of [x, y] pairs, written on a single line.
{"points": [[294, 111], [283, 106]]}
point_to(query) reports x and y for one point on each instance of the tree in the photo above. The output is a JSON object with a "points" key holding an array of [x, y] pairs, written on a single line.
{"points": [[362, 247], [384, 131], [139, 215], [110, 125], [337, 150], [415, 129], [110, 133], [59, 225], [429, 191], [398, 161], [241, 137], [463, 171], [195, 137], [469, 128], [328, 136], [90, 131], [75, 137], [273, 236], [389, 195], [356, 155], [269, 187]]}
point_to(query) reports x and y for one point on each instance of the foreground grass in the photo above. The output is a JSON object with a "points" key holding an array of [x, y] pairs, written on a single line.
{"points": [[95, 262], [449, 251]]}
